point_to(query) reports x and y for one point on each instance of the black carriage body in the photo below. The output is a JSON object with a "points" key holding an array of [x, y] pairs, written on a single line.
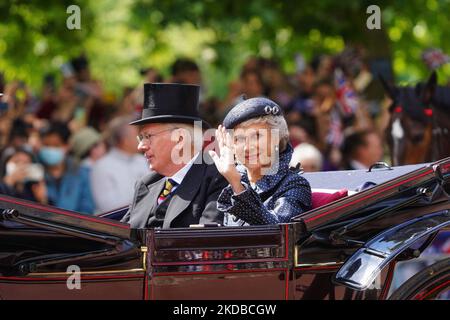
{"points": [[346, 249]]}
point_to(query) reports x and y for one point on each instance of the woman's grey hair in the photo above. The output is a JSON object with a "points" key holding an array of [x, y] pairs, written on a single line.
{"points": [[275, 123]]}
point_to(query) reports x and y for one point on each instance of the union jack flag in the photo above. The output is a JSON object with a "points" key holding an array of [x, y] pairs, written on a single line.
{"points": [[335, 135], [347, 98]]}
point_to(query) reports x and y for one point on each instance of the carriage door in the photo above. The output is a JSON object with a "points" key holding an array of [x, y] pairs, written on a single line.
{"points": [[218, 263]]}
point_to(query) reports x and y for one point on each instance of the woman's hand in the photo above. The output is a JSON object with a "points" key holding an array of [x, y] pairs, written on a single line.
{"points": [[225, 161]]}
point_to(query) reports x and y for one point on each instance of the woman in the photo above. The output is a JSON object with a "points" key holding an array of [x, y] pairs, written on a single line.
{"points": [[262, 189]]}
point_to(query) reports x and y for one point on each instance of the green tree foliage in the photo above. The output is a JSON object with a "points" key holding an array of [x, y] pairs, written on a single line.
{"points": [[122, 36], [34, 38]]}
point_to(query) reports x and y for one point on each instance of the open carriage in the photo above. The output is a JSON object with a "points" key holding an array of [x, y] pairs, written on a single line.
{"points": [[345, 248]]}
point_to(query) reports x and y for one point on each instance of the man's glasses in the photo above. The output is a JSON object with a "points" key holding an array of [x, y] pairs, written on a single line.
{"points": [[146, 136]]}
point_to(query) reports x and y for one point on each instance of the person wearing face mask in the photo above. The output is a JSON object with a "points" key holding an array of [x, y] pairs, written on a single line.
{"points": [[262, 188], [68, 185]]}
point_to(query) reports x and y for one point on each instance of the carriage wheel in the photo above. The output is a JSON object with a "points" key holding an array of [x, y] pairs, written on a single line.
{"points": [[432, 282]]}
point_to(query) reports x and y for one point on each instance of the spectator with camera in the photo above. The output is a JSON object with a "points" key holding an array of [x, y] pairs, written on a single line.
{"points": [[21, 177]]}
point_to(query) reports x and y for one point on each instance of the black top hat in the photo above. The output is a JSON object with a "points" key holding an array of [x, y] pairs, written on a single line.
{"points": [[170, 102]]}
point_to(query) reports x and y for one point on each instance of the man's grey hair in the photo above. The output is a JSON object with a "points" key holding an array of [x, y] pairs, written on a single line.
{"points": [[306, 151], [275, 123]]}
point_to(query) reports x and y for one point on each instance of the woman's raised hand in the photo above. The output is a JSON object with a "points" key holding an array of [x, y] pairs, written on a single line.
{"points": [[225, 161]]}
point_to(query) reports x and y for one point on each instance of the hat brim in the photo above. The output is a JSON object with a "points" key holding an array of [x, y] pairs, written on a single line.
{"points": [[170, 119]]}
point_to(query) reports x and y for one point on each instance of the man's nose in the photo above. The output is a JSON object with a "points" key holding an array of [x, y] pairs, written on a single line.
{"points": [[142, 146]]}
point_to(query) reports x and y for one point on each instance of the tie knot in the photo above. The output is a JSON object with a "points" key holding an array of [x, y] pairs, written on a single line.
{"points": [[167, 190], [170, 184]]}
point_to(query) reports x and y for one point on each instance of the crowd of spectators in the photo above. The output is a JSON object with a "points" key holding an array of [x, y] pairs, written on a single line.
{"points": [[71, 147]]}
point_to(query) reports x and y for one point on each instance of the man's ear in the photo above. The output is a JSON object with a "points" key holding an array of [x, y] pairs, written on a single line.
{"points": [[180, 135], [176, 136], [430, 87]]}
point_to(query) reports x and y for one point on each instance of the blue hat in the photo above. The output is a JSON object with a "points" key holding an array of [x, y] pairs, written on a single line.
{"points": [[249, 109]]}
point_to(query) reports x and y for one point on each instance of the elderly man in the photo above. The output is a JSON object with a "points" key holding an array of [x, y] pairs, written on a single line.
{"points": [[183, 185]]}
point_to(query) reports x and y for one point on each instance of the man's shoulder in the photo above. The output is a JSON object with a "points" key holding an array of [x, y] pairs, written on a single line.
{"points": [[150, 177]]}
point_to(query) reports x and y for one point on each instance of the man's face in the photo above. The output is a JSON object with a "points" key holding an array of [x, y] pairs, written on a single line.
{"points": [[53, 149], [374, 148], [372, 151], [306, 80], [53, 140], [157, 149]]}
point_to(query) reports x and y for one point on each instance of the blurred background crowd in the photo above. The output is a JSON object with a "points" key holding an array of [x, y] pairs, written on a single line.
{"points": [[68, 95], [70, 146]]}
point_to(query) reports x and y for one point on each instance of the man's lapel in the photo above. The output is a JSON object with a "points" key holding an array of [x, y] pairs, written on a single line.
{"points": [[185, 192], [146, 201]]}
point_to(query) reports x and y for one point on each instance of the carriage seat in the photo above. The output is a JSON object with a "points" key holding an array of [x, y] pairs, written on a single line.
{"points": [[321, 197]]}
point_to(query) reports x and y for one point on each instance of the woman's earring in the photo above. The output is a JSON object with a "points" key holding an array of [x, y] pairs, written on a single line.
{"points": [[277, 148]]}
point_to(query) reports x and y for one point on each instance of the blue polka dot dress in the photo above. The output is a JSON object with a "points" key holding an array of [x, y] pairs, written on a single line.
{"points": [[275, 198]]}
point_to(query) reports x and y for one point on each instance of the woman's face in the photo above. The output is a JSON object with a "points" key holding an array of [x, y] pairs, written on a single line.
{"points": [[255, 145]]}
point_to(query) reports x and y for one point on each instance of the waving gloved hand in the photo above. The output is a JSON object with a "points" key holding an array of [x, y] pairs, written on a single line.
{"points": [[225, 162]]}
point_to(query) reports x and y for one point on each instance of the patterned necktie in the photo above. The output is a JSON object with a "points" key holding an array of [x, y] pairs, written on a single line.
{"points": [[167, 189]]}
